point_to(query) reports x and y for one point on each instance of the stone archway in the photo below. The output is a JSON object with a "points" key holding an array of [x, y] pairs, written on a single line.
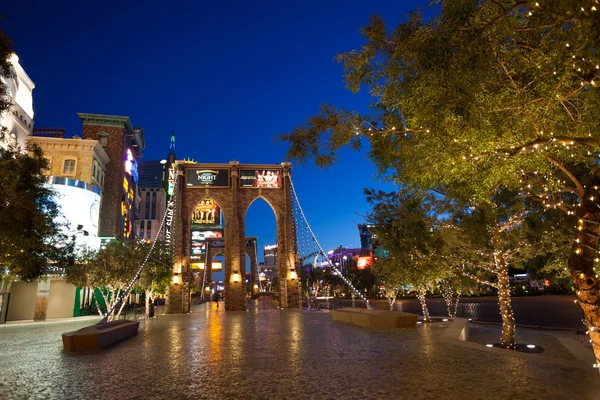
{"points": [[233, 187]]}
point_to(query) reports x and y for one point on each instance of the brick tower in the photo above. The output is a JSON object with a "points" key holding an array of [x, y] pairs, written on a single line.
{"points": [[123, 145]]}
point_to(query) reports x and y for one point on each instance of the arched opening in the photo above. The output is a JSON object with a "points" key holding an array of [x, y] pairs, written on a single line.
{"points": [[217, 287], [260, 221], [206, 222]]}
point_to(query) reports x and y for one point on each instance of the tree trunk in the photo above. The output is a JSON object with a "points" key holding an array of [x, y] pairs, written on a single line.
{"points": [[391, 300], [456, 301], [508, 319], [421, 296], [448, 295], [147, 304], [581, 266]]}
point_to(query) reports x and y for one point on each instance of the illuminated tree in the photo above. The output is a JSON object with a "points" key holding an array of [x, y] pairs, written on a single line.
{"points": [[156, 275], [486, 95], [109, 269], [404, 223]]}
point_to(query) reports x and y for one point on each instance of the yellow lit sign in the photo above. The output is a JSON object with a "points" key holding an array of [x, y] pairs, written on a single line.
{"points": [[216, 266]]}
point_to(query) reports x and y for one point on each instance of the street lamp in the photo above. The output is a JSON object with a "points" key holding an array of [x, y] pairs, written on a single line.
{"points": [[344, 262]]}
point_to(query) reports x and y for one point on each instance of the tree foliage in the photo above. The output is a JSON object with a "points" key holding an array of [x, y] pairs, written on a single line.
{"points": [[405, 225], [30, 236], [486, 96], [115, 265]]}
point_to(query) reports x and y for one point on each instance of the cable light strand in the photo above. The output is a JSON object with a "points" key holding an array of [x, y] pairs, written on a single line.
{"points": [[139, 272], [337, 272]]}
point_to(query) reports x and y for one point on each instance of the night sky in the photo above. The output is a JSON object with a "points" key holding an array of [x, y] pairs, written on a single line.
{"points": [[226, 76]]}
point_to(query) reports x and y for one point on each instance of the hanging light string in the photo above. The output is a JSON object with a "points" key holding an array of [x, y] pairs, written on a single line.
{"points": [[337, 272], [170, 207]]}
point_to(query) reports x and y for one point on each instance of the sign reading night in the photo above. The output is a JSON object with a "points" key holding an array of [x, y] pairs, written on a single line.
{"points": [[196, 177], [268, 178]]}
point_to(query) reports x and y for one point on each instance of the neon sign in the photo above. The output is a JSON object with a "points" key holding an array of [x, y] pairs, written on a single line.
{"points": [[131, 165]]}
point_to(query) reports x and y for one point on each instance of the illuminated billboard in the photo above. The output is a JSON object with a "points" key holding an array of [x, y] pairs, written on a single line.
{"points": [[80, 209], [269, 178], [198, 177], [216, 266], [207, 212], [131, 166], [216, 243], [198, 239]]}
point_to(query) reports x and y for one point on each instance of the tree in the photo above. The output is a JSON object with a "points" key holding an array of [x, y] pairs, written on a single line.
{"points": [[109, 269], [483, 96], [156, 275], [484, 241], [31, 238], [5, 70], [404, 223]]}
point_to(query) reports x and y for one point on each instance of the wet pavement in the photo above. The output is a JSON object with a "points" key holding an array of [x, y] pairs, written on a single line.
{"points": [[273, 354]]}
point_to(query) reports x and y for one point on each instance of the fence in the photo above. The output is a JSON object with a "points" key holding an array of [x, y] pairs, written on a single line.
{"points": [[565, 316]]}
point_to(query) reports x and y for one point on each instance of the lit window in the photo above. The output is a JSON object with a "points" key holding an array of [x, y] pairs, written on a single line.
{"points": [[69, 167]]}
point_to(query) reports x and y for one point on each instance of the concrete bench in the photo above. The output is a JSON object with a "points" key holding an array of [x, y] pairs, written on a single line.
{"points": [[374, 318], [99, 335]]}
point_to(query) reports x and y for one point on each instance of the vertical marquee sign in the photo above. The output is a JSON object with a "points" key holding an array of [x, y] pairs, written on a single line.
{"points": [[170, 203]]}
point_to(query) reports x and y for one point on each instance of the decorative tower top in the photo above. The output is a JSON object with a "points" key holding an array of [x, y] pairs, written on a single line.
{"points": [[172, 156]]}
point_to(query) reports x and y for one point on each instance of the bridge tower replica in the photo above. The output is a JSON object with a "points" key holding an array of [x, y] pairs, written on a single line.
{"points": [[201, 191]]}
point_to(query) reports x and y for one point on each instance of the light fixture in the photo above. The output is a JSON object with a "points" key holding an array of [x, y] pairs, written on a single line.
{"points": [[176, 278], [293, 275], [236, 277], [255, 286], [163, 161], [531, 346], [489, 345]]}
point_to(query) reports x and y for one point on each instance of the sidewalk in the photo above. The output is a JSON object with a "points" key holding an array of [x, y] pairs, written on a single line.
{"points": [[51, 321]]}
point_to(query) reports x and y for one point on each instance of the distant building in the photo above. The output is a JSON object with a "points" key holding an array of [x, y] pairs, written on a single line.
{"points": [[49, 132], [344, 258], [153, 200], [19, 119], [270, 254]]}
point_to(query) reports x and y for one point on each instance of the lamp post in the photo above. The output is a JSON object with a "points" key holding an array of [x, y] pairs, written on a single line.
{"points": [[344, 262]]}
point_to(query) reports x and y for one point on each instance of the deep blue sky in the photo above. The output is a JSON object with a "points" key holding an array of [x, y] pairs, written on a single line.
{"points": [[227, 76]]}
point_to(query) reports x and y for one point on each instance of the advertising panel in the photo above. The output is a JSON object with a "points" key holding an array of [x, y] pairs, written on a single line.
{"points": [[80, 210], [217, 244], [198, 239], [216, 266], [269, 178], [207, 212], [197, 177]]}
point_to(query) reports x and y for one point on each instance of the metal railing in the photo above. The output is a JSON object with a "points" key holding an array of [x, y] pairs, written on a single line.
{"points": [[549, 315]]}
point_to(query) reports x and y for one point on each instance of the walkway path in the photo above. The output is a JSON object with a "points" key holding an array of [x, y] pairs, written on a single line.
{"points": [[273, 354]]}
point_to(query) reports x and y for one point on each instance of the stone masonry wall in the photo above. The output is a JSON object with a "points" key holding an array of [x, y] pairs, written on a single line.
{"points": [[113, 181], [234, 202]]}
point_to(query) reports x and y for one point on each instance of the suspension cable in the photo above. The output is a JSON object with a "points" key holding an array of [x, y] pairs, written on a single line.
{"points": [[170, 207], [337, 272]]}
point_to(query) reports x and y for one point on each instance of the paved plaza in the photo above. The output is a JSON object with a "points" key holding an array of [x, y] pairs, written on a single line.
{"points": [[275, 354]]}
